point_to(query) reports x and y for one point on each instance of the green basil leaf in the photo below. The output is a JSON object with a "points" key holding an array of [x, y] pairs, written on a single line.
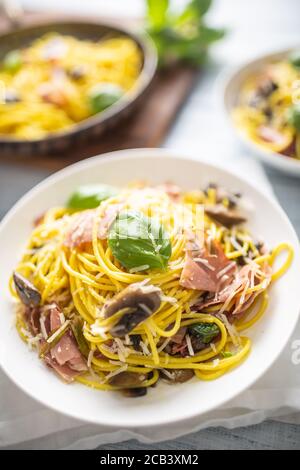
{"points": [[90, 196], [103, 96], [136, 241], [206, 332], [200, 6], [293, 116], [226, 354], [294, 58], [12, 61], [157, 12], [184, 36]]}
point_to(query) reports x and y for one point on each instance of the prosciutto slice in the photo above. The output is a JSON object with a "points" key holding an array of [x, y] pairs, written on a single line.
{"points": [[64, 357], [80, 232], [207, 271], [241, 282]]}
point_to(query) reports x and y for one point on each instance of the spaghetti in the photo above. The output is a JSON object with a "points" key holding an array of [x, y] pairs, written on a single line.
{"points": [[58, 81], [268, 107], [168, 300]]}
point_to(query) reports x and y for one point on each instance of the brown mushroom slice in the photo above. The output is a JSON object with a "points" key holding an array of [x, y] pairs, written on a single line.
{"points": [[127, 380], [26, 291], [179, 375], [138, 302], [223, 216], [134, 392]]}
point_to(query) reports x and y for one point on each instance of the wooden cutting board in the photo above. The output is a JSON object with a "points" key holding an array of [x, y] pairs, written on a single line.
{"points": [[147, 127]]}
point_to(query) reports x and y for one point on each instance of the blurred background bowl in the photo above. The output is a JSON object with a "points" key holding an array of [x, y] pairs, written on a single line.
{"points": [[99, 123], [231, 84]]}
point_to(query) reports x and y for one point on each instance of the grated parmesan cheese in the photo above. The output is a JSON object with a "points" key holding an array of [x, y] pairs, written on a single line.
{"points": [[163, 345], [167, 298], [189, 345], [216, 362], [225, 270], [168, 374], [90, 358], [230, 328], [116, 372], [143, 267], [205, 262], [43, 328], [58, 332]]}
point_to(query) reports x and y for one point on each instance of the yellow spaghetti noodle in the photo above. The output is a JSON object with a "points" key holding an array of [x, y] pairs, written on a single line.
{"points": [[82, 279], [52, 84], [267, 108]]}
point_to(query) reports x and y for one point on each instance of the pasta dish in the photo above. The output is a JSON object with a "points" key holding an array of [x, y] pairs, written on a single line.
{"points": [[59, 81], [268, 107], [121, 288]]}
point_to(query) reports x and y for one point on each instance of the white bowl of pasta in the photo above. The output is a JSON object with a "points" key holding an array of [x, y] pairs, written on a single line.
{"points": [[261, 104], [122, 314]]}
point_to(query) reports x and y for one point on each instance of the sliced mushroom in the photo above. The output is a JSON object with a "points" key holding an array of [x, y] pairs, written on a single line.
{"points": [[138, 302], [134, 392], [224, 193], [179, 375], [27, 292], [223, 216], [127, 380]]}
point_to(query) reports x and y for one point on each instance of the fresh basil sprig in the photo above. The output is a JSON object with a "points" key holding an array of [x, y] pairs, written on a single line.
{"points": [[206, 332], [184, 36], [89, 196], [139, 241]]}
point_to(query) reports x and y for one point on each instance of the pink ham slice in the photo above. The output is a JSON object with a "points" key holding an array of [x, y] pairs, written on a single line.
{"points": [[65, 372], [65, 357], [207, 271], [80, 232], [237, 286], [271, 135]]}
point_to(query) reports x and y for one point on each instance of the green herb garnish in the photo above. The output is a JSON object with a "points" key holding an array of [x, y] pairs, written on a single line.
{"points": [[183, 36], [103, 96], [90, 196], [294, 58], [77, 326], [226, 354], [294, 116], [138, 241], [12, 61], [206, 332]]}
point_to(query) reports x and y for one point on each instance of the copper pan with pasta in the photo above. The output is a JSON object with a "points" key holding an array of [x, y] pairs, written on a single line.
{"points": [[66, 81], [152, 287]]}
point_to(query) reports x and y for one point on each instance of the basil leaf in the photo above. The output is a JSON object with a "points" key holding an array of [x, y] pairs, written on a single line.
{"points": [[157, 12], [103, 96], [206, 332], [294, 58], [200, 6], [136, 241], [90, 196], [294, 116], [183, 36], [12, 61]]}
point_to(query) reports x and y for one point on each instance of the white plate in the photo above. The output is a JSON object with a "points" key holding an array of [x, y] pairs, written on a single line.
{"points": [[163, 404], [232, 81]]}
